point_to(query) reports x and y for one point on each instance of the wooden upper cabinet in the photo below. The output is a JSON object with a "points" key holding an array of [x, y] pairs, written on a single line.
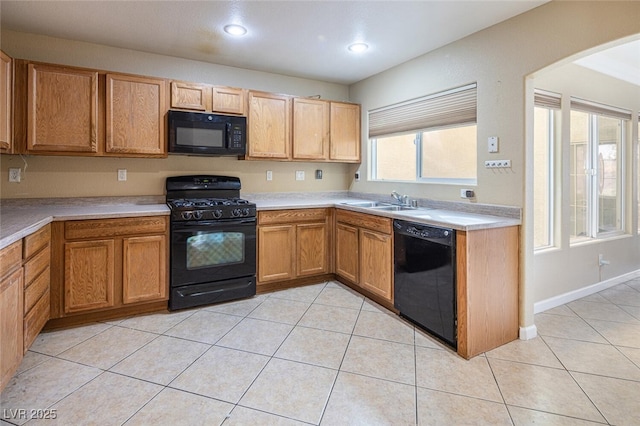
{"points": [[6, 99], [310, 129], [135, 111], [345, 132], [193, 96], [62, 108], [229, 100], [269, 125]]}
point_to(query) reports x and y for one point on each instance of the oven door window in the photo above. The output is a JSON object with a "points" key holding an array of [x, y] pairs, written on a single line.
{"points": [[207, 249]]}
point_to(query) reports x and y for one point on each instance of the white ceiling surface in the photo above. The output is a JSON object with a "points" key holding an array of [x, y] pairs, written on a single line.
{"points": [[306, 39], [621, 62]]}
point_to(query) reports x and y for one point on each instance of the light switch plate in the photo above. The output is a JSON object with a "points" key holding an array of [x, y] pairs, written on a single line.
{"points": [[122, 175], [493, 144]]}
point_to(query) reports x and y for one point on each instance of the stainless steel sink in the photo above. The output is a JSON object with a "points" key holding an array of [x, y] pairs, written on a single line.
{"points": [[376, 204], [393, 208]]}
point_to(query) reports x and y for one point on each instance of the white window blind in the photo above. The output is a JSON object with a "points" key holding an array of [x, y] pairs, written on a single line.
{"points": [[546, 99], [455, 106], [600, 109]]}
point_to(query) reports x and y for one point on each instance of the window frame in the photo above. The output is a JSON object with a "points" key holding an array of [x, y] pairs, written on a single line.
{"points": [[594, 173], [419, 178]]}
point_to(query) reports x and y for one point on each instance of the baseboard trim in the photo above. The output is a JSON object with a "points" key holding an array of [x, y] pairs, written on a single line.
{"points": [[561, 299], [529, 332]]}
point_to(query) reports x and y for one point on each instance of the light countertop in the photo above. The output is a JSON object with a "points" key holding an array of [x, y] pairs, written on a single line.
{"points": [[22, 217]]}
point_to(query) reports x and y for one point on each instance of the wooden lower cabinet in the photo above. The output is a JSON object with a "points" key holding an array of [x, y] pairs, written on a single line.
{"points": [[364, 253], [89, 270], [376, 263], [11, 311], [144, 268], [109, 264], [36, 256], [346, 252], [276, 248], [293, 244], [487, 289]]}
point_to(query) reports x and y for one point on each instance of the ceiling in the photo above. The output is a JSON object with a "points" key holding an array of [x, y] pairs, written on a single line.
{"points": [[621, 62], [306, 39]]}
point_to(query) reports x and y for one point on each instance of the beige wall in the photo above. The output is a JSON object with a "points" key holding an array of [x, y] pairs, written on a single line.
{"points": [[47, 176], [500, 59], [571, 268]]}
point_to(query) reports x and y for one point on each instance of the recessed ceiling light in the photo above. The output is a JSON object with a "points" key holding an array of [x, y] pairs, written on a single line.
{"points": [[236, 30], [358, 47]]}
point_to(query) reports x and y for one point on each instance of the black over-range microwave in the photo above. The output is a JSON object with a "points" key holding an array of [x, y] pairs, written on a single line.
{"points": [[201, 133]]}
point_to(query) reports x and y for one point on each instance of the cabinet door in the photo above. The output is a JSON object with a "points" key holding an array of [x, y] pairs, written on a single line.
{"points": [[193, 96], [376, 263], [11, 329], [144, 269], [88, 275], [6, 96], [310, 129], [346, 252], [345, 132], [311, 242], [269, 125], [135, 112], [62, 108], [276, 250], [229, 100]]}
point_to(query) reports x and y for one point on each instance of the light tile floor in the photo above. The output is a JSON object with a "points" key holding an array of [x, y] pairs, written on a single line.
{"points": [[325, 355]]}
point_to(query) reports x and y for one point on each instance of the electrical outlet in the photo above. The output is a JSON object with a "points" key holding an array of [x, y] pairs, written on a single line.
{"points": [[15, 174], [299, 174], [318, 174], [269, 175], [357, 176], [467, 193], [122, 175]]}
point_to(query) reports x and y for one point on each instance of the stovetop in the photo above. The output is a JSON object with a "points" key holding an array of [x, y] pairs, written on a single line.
{"points": [[207, 197], [183, 203]]}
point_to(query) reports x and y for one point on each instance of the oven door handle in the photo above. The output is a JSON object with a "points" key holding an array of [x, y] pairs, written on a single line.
{"points": [[216, 222]]}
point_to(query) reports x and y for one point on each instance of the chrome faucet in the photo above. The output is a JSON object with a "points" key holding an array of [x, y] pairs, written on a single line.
{"points": [[402, 199]]}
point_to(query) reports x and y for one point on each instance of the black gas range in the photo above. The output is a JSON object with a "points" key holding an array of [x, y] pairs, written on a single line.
{"points": [[213, 241]]}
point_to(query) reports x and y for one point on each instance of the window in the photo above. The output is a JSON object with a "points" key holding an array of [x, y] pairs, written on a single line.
{"points": [[547, 106], [596, 176], [429, 139]]}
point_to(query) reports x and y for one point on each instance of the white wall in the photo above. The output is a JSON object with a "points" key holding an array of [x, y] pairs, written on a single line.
{"points": [[48, 176], [499, 59]]}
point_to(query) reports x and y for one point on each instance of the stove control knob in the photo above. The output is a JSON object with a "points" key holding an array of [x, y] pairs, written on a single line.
{"points": [[245, 212], [187, 215], [236, 212], [197, 215], [217, 214]]}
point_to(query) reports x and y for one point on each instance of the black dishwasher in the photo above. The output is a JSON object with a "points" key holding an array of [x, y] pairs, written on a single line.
{"points": [[425, 278]]}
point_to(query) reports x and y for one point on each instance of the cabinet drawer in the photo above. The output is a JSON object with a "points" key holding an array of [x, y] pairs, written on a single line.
{"points": [[36, 241], [99, 228], [35, 320], [375, 223], [36, 265], [10, 258], [291, 216], [34, 290]]}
